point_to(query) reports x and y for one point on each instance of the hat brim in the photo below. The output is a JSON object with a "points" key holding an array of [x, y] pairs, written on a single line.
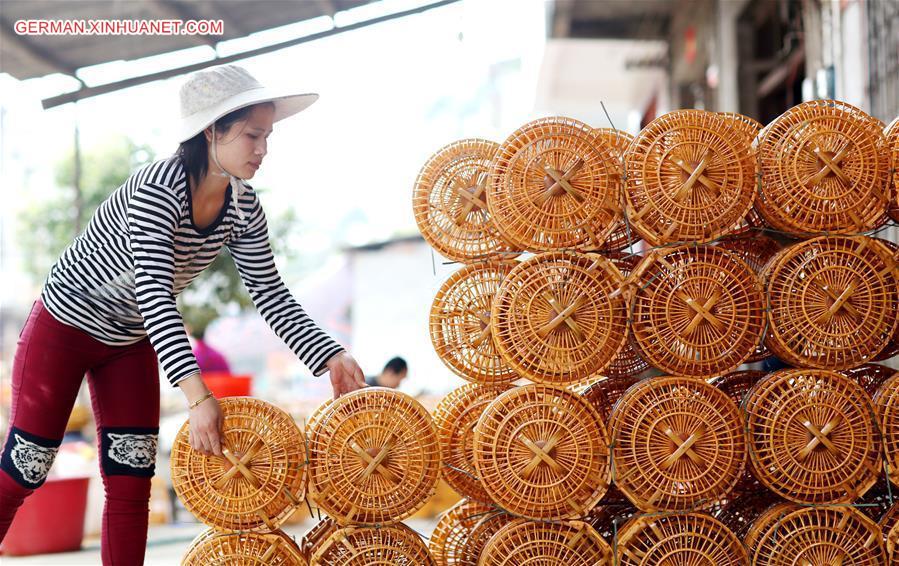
{"points": [[285, 105]]}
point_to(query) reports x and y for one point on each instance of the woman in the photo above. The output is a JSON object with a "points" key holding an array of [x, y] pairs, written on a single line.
{"points": [[108, 306]]}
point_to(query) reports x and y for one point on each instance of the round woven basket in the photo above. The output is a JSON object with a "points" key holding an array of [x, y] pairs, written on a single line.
{"points": [[258, 482], [542, 453], [453, 529], [364, 546], [572, 543], [480, 535], [623, 235], [373, 457], [213, 548], [886, 405], [821, 535], [678, 444], [892, 135], [832, 302], [824, 167], [455, 418], [316, 536], [460, 323], [769, 517], [697, 310], [812, 437], [449, 202], [690, 178], [689, 538], [605, 392], [557, 318], [555, 185]]}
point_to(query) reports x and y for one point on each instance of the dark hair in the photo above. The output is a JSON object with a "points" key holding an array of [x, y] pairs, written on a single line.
{"points": [[396, 365], [194, 153]]}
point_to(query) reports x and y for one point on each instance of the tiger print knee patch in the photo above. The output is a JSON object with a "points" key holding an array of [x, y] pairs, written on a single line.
{"points": [[129, 451], [27, 458]]}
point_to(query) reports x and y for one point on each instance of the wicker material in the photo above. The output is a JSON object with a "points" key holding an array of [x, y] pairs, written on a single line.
{"points": [[877, 501], [460, 323], [572, 543], [771, 516], [363, 546], [679, 539], [455, 418], [259, 481], [690, 177], [745, 125], [373, 457], [555, 185], [824, 169], [740, 513], [833, 302], [449, 202], [736, 384], [605, 392], [892, 347], [697, 310], [756, 251], [542, 453], [678, 444], [480, 535], [212, 548], [821, 536], [554, 320], [812, 437], [886, 405], [317, 536], [628, 362], [892, 136], [452, 532], [623, 235], [607, 519], [893, 545], [870, 376]]}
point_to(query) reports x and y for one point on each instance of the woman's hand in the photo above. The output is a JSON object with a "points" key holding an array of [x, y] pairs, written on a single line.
{"points": [[205, 420], [346, 375]]}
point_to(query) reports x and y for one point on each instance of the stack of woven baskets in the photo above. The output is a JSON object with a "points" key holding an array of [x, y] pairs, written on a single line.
{"points": [[755, 242]]}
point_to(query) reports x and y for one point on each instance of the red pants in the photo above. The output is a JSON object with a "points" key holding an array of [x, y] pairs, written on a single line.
{"points": [[50, 363]]}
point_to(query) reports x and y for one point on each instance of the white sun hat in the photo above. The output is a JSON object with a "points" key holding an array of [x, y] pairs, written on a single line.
{"points": [[214, 92]]}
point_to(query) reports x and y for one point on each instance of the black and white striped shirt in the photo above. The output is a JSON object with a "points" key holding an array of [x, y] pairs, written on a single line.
{"points": [[118, 280]]}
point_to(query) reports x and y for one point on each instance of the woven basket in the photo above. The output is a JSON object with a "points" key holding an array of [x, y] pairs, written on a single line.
{"points": [[554, 319], [259, 481], [690, 538], [628, 362], [365, 546], [892, 347], [745, 125], [449, 202], [886, 405], [771, 516], [542, 453], [460, 323], [451, 534], [697, 310], [605, 392], [812, 437], [832, 302], [690, 178], [316, 536], [455, 418], [622, 236], [373, 457], [892, 136], [214, 548], [555, 185], [572, 543], [821, 535], [824, 168], [678, 444], [480, 535]]}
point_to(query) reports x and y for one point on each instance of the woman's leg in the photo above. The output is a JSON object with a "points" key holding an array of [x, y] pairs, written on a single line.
{"points": [[48, 368], [125, 395]]}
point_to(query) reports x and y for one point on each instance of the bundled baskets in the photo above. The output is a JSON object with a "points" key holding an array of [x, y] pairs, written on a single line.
{"points": [[214, 548]]}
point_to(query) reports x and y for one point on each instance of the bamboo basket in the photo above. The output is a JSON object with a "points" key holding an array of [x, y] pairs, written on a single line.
{"points": [[449, 202], [363, 546], [542, 453], [690, 178], [316, 536], [260, 480], [480, 535], [697, 310], [824, 167], [812, 437], [572, 543], [678, 444], [821, 536], [455, 418], [689, 538], [832, 302], [374, 457], [605, 392], [771, 516], [452, 532], [555, 185], [892, 137], [557, 319], [886, 405], [622, 236], [213, 548], [460, 323]]}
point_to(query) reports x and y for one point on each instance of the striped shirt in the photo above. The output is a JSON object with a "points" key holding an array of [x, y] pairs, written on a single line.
{"points": [[119, 279]]}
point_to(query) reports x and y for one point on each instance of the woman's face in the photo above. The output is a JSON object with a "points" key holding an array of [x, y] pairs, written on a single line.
{"points": [[241, 149]]}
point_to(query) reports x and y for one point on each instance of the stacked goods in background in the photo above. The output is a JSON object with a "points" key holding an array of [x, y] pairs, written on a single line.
{"points": [[614, 291]]}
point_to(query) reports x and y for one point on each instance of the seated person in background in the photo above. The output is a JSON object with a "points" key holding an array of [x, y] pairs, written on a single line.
{"points": [[208, 358], [392, 375]]}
